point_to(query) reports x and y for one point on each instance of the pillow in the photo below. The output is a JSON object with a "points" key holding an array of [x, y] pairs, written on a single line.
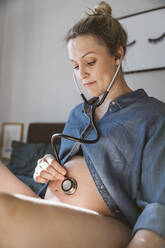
{"points": [[24, 157], [29, 181]]}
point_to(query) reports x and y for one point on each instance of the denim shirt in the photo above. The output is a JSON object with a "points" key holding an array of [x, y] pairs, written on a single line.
{"points": [[127, 164]]}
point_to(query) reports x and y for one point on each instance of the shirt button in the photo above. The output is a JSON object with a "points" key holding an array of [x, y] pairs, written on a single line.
{"points": [[113, 103], [102, 187], [110, 110]]}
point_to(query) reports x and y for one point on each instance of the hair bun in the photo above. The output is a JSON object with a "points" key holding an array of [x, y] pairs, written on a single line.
{"points": [[102, 8]]}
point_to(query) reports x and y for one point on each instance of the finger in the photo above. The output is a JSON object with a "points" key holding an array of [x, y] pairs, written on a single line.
{"points": [[43, 165], [37, 178], [49, 169], [55, 174], [46, 175], [48, 158], [39, 169], [40, 180], [51, 161], [59, 168], [37, 172]]}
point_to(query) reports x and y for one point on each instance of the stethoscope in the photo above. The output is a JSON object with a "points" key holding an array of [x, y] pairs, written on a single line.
{"points": [[69, 185]]}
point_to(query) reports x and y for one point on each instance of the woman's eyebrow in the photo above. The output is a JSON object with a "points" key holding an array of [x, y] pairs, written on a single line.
{"points": [[84, 55], [87, 54]]}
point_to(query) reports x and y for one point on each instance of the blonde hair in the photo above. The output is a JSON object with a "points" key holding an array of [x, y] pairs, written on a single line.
{"points": [[100, 23]]}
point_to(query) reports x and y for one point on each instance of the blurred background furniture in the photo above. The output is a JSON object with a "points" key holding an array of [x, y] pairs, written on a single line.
{"points": [[24, 156]]}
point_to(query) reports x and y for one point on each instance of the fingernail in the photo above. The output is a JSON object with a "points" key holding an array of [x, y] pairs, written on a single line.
{"points": [[63, 172]]}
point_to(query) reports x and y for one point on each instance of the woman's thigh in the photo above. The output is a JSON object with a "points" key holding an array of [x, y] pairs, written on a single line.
{"points": [[9, 183], [30, 222]]}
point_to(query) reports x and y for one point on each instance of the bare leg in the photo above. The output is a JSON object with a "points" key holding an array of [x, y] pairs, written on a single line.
{"points": [[9, 183], [40, 223]]}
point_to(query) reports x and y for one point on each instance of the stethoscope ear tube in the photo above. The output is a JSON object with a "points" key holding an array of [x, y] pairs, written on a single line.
{"points": [[105, 93]]}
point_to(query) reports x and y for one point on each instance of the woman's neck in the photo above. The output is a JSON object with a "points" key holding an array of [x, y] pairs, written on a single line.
{"points": [[119, 88]]}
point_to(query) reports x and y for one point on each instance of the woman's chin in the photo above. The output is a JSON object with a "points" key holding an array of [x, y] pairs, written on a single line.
{"points": [[93, 94]]}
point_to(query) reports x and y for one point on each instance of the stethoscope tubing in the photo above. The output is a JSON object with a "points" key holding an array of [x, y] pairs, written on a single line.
{"points": [[105, 93], [80, 140], [92, 120]]}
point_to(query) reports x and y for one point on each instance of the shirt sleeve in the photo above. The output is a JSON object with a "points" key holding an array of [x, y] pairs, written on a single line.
{"points": [[151, 194]]}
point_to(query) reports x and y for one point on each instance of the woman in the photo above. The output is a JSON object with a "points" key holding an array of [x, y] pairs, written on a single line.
{"points": [[113, 174]]}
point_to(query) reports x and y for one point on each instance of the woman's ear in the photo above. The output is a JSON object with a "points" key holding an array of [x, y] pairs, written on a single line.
{"points": [[119, 55], [117, 59]]}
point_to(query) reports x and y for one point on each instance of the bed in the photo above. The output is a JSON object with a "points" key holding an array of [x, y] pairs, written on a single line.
{"points": [[25, 154]]}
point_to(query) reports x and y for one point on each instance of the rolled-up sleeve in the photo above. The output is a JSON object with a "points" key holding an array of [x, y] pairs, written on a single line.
{"points": [[151, 194], [152, 218]]}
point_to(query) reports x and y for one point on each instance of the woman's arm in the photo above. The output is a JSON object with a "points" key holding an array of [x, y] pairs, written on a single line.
{"points": [[146, 239], [149, 230]]}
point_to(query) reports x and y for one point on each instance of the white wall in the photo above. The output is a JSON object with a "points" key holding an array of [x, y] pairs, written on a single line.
{"points": [[35, 75]]}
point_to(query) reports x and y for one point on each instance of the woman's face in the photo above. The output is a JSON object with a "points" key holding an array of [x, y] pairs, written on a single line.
{"points": [[93, 65]]}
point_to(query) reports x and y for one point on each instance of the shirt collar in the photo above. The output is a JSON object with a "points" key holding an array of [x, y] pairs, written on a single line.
{"points": [[127, 99], [120, 102]]}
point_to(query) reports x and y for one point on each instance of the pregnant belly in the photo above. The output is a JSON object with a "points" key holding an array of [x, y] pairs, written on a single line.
{"points": [[86, 195]]}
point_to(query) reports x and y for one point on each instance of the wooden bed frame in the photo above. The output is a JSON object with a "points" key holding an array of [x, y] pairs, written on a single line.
{"points": [[41, 132]]}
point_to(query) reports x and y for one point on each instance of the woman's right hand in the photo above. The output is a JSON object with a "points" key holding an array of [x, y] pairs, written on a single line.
{"points": [[48, 169]]}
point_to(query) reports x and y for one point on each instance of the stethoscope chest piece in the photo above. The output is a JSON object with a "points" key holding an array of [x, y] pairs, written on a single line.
{"points": [[69, 186]]}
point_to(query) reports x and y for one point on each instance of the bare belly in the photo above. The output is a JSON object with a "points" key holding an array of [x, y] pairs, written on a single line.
{"points": [[86, 195]]}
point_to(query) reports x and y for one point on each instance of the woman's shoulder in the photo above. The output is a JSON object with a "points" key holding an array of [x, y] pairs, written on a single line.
{"points": [[153, 106], [148, 112]]}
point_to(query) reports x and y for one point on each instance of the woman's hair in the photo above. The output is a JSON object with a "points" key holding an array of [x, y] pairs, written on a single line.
{"points": [[100, 23]]}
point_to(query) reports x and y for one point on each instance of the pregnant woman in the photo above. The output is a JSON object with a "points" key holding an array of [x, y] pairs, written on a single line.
{"points": [[120, 183]]}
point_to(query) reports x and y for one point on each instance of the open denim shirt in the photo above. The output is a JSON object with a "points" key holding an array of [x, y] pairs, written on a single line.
{"points": [[127, 164]]}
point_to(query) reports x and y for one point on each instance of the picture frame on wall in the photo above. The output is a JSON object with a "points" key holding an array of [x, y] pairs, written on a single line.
{"points": [[146, 41], [10, 131]]}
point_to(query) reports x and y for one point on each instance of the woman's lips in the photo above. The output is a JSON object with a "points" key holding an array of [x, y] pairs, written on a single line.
{"points": [[89, 84]]}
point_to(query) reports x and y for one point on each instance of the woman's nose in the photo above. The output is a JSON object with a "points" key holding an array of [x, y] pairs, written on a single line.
{"points": [[83, 72]]}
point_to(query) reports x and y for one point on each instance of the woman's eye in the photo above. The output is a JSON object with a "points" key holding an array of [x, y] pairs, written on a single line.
{"points": [[75, 67], [91, 63]]}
